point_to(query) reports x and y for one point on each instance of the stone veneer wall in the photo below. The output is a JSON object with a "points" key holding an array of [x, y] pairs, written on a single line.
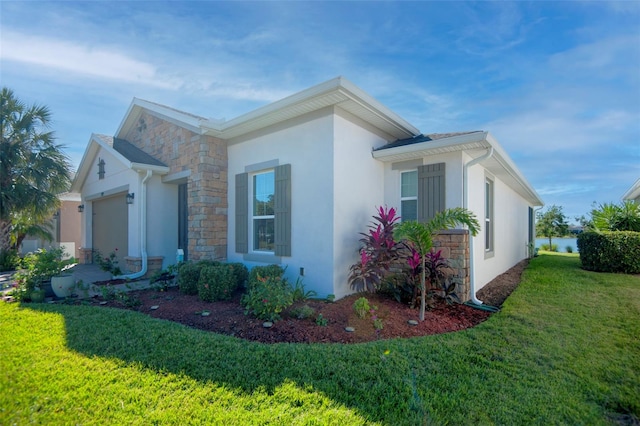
{"points": [[134, 264], [455, 248], [206, 158]]}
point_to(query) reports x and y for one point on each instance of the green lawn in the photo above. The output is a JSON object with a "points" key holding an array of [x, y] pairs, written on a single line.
{"points": [[565, 349]]}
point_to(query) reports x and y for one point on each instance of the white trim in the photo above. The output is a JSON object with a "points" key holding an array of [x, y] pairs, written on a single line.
{"points": [[633, 192]]}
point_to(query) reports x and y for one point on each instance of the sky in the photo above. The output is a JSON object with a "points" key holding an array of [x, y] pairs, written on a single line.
{"points": [[556, 83]]}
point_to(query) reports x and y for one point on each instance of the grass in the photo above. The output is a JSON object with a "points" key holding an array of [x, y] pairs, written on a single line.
{"points": [[564, 350]]}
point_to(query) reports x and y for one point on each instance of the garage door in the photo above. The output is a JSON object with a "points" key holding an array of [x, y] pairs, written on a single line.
{"points": [[110, 226]]}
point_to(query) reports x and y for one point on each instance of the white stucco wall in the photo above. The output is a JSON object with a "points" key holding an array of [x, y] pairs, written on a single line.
{"points": [[335, 185], [306, 144], [358, 190], [511, 223], [162, 220]]}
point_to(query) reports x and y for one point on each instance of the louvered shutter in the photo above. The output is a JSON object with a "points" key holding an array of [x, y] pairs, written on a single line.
{"points": [[431, 190], [242, 213], [282, 210]]}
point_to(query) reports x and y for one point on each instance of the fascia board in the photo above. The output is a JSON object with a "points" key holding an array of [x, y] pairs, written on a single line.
{"points": [[83, 168], [343, 90], [633, 192], [452, 144], [138, 105], [512, 170], [162, 170]]}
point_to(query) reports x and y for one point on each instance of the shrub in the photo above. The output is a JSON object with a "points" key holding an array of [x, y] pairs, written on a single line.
{"points": [[109, 263], [216, 282], [298, 292], [39, 266], [267, 297], [9, 260], [269, 271], [545, 247], [189, 275], [617, 251], [569, 249], [240, 273], [378, 252], [302, 312], [361, 307]]}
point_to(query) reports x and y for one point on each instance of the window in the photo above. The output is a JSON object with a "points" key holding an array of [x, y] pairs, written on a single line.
{"points": [[263, 218], [263, 212], [409, 195], [488, 215]]}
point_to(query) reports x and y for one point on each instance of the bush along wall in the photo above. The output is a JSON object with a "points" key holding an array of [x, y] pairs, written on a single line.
{"points": [[617, 251]]}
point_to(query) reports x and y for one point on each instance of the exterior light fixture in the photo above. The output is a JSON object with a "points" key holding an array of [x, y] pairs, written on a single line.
{"points": [[80, 208], [130, 197]]}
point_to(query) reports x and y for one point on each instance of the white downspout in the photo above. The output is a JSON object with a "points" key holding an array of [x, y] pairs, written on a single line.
{"points": [[465, 202], [143, 230]]}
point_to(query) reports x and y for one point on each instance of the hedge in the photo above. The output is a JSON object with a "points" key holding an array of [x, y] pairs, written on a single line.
{"points": [[617, 251]]}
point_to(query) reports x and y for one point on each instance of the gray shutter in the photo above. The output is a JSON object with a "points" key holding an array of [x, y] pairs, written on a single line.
{"points": [[282, 210], [431, 187], [242, 213]]}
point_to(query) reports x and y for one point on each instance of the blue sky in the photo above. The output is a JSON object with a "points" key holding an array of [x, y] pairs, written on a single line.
{"points": [[557, 83]]}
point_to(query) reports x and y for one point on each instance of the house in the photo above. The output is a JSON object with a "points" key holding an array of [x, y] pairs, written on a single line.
{"points": [[64, 227], [294, 183], [633, 193]]}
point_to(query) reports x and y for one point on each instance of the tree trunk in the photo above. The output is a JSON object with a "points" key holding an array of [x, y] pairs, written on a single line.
{"points": [[5, 235], [550, 248], [423, 290]]}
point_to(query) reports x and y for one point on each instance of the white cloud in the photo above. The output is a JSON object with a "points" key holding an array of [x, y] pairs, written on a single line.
{"points": [[82, 59]]}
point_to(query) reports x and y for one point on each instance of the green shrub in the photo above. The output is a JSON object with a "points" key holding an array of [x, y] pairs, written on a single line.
{"points": [[189, 275], [545, 247], [361, 307], [569, 249], [267, 297], [216, 282], [302, 312], [617, 251], [9, 260], [299, 294], [259, 272], [240, 273]]}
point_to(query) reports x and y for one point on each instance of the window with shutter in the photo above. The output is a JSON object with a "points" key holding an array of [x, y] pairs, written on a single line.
{"points": [[266, 228], [431, 191]]}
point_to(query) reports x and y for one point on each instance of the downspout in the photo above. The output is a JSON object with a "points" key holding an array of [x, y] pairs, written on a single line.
{"points": [[143, 230], [465, 202]]}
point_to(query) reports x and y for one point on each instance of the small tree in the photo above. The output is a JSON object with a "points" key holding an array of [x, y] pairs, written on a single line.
{"points": [[419, 237], [33, 168], [552, 223], [616, 217]]}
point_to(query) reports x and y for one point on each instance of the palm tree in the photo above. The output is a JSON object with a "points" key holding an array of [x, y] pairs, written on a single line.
{"points": [[33, 168], [419, 236]]}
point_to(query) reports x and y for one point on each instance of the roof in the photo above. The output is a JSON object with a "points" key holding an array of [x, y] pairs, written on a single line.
{"points": [[424, 138], [126, 152], [474, 144], [633, 192], [338, 92], [130, 151]]}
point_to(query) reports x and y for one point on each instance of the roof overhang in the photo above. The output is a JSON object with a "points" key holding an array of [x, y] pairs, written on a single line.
{"points": [[473, 144], [337, 92], [95, 144], [633, 192]]}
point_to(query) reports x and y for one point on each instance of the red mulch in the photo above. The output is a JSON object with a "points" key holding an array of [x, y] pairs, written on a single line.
{"points": [[229, 318]]}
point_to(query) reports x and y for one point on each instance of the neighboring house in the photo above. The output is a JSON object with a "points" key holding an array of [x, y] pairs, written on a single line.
{"points": [[294, 183], [633, 193], [64, 227]]}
